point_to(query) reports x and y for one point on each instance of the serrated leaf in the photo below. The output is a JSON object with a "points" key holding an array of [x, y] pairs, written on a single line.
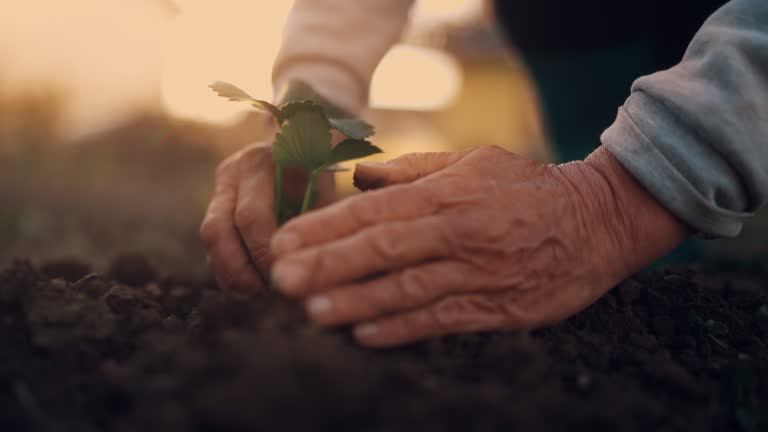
{"points": [[351, 149], [292, 108], [298, 90], [230, 91], [352, 128], [304, 142], [236, 94]]}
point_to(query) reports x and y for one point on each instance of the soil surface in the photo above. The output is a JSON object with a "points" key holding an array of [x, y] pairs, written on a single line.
{"points": [[134, 350]]}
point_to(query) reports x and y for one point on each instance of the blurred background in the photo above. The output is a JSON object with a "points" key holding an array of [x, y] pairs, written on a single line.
{"points": [[109, 135]]}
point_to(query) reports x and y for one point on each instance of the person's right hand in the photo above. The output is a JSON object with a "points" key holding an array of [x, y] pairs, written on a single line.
{"points": [[240, 220]]}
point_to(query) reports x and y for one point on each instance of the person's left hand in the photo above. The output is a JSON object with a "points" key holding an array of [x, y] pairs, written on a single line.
{"points": [[477, 240]]}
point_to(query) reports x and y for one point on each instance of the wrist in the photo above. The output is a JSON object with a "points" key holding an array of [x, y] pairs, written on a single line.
{"points": [[645, 229]]}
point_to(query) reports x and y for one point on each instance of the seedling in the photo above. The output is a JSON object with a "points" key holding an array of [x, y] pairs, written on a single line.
{"points": [[304, 141]]}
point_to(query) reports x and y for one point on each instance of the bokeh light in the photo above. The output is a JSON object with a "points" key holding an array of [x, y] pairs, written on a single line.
{"points": [[415, 79]]}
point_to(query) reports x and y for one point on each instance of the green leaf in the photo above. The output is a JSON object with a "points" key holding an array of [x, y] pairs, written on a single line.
{"points": [[351, 149], [304, 141], [298, 90], [292, 108], [352, 128]]}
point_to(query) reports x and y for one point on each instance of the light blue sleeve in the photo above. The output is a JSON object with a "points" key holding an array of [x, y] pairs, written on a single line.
{"points": [[696, 135]]}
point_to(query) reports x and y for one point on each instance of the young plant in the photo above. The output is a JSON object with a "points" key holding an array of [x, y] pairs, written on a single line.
{"points": [[304, 141]]}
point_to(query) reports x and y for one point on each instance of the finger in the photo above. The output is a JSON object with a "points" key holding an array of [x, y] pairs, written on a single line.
{"points": [[228, 260], [404, 169], [352, 215], [400, 291], [377, 249], [456, 314], [254, 214]]}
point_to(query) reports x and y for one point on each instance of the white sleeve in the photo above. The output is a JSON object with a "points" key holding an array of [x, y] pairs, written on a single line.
{"points": [[335, 45]]}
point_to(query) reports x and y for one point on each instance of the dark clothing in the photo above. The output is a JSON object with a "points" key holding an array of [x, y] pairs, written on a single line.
{"points": [[539, 27]]}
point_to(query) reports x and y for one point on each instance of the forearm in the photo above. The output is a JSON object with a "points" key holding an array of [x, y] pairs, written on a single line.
{"points": [[695, 135], [335, 45]]}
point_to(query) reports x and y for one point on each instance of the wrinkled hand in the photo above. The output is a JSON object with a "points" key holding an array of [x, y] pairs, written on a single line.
{"points": [[240, 219], [477, 240]]}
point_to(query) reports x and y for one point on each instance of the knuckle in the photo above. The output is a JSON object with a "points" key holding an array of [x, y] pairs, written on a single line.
{"points": [[437, 319], [362, 208], [449, 312], [492, 150], [386, 243], [469, 313], [413, 286], [248, 216], [448, 235], [494, 153], [428, 198]]}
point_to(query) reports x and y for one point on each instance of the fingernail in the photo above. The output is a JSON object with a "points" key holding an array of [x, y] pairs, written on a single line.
{"points": [[284, 243], [288, 277], [318, 305], [366, 330]]}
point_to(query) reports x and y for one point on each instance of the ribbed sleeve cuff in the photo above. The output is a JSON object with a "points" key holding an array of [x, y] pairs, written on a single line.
{"points": [[658, 174]]}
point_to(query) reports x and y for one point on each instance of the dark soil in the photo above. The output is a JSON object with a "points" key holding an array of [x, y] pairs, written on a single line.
{"points": [[134, 351]]}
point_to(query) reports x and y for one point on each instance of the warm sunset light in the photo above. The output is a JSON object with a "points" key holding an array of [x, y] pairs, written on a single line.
{"points": [[110, 60], [233, 41], [414, 78], [237, 43], [103, 55], [505, 233]]}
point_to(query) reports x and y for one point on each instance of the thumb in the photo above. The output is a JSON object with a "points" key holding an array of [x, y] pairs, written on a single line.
{"points": [[404, 169]]}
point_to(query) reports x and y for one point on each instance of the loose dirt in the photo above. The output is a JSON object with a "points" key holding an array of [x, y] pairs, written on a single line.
{"points": [[133, 350]]}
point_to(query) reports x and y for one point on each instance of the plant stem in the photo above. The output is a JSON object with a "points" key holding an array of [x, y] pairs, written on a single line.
{"points": [[308, 192], [278, 191]]}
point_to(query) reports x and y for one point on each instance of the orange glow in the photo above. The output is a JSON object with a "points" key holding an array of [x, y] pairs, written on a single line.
{"points": [[237, 40], [112, 58], [104, 54], [413, 78], [234, 41]]}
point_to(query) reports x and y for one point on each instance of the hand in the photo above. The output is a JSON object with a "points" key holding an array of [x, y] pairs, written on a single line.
{"points": [[477, 240], [240, 219]]}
